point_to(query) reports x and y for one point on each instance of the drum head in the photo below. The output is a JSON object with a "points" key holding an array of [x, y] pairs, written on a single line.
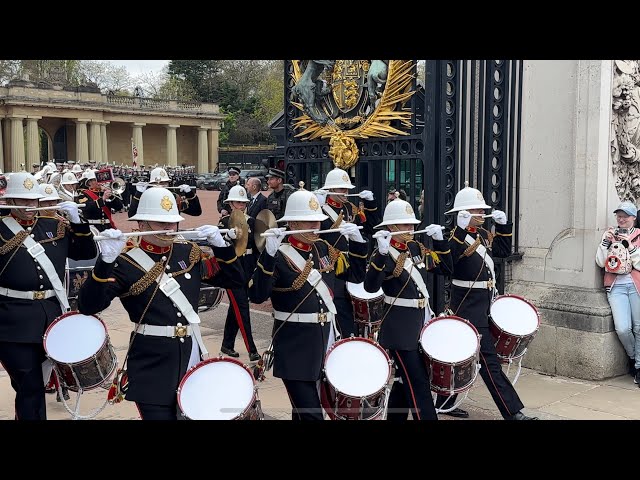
{"points": [[449, 340], [216, 390], [74, 338], [357, 290], [514, 315], [357, 367]]}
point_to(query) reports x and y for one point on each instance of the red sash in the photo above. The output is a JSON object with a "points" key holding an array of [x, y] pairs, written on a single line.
{"points": [[105, 209]]}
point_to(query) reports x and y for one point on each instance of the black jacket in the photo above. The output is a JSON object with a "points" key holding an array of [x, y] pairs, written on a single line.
{"points": [[400, 329], [94, 210], [299, 348], [156, 365], [255, 207], [25, 321], [248, 260]]}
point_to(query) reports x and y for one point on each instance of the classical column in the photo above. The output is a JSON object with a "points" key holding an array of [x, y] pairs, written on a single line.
{"points": [[82, 142], [17, 144], [95, 142], [2, 166], [103, 141], [33, 143], [213, 149], [137, 141], [6, 133], [172, 145], [203, 151]]}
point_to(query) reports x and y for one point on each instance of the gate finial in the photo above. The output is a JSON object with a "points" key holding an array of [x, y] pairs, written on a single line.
{"points": [[466, 183]]}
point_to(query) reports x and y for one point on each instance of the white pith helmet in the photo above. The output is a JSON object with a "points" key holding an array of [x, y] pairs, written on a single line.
{"points": [[48, 192], [398, 212], [89, 174], [302, 206], [337, 178], [159, 175], [68, 178], [467, 199], [22, 185], [158, 205], [76, 168], [237, 194]]}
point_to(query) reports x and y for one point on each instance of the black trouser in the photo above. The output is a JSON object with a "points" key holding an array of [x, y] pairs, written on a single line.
{"points": [[305, 400], [23, 363], [149, 411], [344, 307], [498, 384], [238, 318], [414, 393]]}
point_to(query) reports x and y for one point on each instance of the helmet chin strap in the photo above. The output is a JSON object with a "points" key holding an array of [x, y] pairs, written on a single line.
{"points": [[164, 239]]}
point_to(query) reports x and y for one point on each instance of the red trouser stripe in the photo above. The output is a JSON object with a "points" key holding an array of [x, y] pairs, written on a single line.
{"points": [[484, 365], [236, 310], [406, 376]]}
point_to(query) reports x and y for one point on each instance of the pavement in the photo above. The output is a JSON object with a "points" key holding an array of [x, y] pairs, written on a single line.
{"points": [[546, 396]]}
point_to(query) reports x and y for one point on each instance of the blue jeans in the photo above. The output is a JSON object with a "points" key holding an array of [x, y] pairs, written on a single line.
{"points": [[625, 308]]}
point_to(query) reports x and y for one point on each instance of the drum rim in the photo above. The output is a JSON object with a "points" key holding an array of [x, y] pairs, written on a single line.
{"points": [[506, 295], [378, 294], [449, 317], [368, 340], [56, 321], [254, 396]]}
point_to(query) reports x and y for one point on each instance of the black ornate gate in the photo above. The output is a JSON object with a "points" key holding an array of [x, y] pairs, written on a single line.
{"points": [[465, 125]]}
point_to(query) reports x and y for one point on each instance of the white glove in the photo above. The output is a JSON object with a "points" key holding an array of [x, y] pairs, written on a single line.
{"points": [[435, 231], [351, 232], [499, 217], [213, 235], [384, 241], [321, 196], [273, 242], [71, 209], [110, 248], [464, 218], [141, 186], [366, 195], [184, 188], [231, 234], [224, 213]]}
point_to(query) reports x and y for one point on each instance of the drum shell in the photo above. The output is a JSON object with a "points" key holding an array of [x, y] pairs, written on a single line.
{"points": [[448, 378], [89, 373], [510, 346], [342, 406]]}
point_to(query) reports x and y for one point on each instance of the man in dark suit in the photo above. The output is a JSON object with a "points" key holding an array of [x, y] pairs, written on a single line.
{"points": [[257, 202]]}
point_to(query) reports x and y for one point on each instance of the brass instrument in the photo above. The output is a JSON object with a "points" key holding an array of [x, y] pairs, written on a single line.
{"points": [[264, 221], [238, 222], [118, 186]]}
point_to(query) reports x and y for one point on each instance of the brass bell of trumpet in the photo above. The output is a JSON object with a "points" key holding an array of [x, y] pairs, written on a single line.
{"points": [[118, 186]]}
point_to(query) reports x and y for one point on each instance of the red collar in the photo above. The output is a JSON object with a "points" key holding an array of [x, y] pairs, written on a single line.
{"points": [[472, 230], [398, 245], [149, 247], [333, 203], [305, 247], [24, 223]]}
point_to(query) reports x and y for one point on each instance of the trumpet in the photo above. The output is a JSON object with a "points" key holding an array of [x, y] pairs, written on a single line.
{"points": [[118, 186]]}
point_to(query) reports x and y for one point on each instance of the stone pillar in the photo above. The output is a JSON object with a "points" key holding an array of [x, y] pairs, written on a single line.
{"points": [[82, 142], [33, 143], [95, 142], [213, 148], [6, 131], [566, 201], [2, 165], [137, 141], [103, 141], [17, 144], [203, 150], [172, 145]]}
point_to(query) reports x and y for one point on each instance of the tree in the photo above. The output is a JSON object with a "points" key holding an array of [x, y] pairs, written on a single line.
{"points": [[105, 75]]}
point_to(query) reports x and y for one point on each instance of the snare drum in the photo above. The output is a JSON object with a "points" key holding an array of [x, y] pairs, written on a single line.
{"points": [[357, 371], [219, 389], [450, 346], [514, 322], [368, 309], [210, 297], [79, 347]]}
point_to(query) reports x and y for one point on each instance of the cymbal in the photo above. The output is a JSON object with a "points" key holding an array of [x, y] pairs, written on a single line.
{"points": [[239, 223], [264, 221]]}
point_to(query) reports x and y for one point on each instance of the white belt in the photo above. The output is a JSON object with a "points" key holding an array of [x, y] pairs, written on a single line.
{"points": [[406, 302], [304, 317], [179, 330], [102, 221], [484, 285], [30, 295]]}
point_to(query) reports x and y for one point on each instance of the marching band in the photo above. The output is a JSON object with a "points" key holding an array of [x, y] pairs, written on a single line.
{"points": [[354, 335]]}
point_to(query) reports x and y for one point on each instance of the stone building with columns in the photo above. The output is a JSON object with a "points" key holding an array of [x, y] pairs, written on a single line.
{"points": [[40, 124]]}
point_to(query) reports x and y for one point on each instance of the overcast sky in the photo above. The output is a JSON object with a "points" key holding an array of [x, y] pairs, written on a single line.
{"points": [[136, 67]]}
